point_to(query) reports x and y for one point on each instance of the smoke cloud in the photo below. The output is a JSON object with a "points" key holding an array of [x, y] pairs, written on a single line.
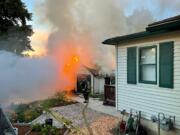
{"points": [[92, 21], [25, 79]]}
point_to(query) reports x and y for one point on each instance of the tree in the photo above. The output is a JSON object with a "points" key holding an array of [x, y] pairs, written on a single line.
{"points": [[14, 31]]}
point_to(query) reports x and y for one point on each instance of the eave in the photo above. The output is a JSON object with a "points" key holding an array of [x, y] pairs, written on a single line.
{"points": [[131, 37], [155, 29]]}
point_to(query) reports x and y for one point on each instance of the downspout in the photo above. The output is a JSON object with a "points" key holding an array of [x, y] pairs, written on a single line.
{"points": [[116, 78]]}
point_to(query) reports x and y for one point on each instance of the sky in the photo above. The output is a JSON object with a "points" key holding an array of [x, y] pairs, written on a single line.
{"points": [[41, 31], [160, 9]]}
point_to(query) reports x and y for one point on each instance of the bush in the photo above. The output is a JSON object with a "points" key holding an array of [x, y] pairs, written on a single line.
{"points": [[45, 129], [36, 127], [58, 99], [25, 113], [29, 112]]}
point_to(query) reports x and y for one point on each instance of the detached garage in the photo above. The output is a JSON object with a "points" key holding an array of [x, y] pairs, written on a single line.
{"points": [[148, 70]]}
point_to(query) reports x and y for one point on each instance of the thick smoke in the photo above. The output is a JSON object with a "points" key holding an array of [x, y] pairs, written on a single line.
{"points": [[93, 20], [25, 79]]}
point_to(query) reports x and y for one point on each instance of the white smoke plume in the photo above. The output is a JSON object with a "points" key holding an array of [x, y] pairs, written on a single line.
{"points": [[94, 20], [25, 79]]}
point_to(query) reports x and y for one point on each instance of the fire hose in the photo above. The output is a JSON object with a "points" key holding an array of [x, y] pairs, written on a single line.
{"points": [[85, 119], [67, 123]]}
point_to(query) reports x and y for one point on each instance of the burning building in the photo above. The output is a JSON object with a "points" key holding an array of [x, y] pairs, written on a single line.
{"points": [[94, 79], [98, 82]]}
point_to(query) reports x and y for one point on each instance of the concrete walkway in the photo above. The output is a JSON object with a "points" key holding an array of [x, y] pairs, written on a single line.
{"points": [[97, 105]]}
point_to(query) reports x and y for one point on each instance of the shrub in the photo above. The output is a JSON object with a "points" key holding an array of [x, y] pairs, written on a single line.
{"points": [[58, 99], [28, 112], [36, 127], [45, 129]]}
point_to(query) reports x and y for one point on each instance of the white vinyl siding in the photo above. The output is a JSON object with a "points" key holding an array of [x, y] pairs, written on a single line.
{"points": [[149, 98]]}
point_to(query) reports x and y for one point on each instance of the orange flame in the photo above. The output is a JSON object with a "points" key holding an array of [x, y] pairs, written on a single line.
{"points": [[71, 64], [70, 58]]}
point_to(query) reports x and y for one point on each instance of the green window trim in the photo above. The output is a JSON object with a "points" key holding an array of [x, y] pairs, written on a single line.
{"points": [[132, 65], [166, 64], [140, 65]]}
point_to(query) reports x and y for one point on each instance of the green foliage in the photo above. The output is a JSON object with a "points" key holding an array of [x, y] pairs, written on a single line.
{"points": [[26, 113], [58, 99], [36, 127], [29, 112], [14, 31], [49, 130], [45, 129], [19, 111]]}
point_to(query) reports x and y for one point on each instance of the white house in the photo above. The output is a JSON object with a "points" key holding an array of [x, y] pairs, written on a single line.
{"points": [[148, 69]]}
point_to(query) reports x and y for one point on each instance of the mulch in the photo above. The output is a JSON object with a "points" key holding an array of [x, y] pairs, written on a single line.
{"points": [[104, 125]]}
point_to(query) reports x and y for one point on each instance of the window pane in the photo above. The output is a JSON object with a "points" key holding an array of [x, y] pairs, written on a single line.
{"points": [[148, 56], [148, 73]]}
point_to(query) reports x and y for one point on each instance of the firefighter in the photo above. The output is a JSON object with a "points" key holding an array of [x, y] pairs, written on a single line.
{"points": [[85, 91]]}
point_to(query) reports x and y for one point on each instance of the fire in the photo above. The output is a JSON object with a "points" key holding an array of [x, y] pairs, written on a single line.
{"points": [[71, 64], [70, 70], [68, 65], [70, 56], [76, 59]]}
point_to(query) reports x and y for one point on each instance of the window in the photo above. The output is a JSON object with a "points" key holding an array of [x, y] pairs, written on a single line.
{"points": [[147, 65]]}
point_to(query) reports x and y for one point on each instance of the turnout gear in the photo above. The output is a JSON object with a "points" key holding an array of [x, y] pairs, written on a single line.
{"points": [[85, 91]]}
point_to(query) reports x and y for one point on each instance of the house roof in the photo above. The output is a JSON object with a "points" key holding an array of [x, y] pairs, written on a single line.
{"points": [[93, 71], [156, 28], [165, 21]]}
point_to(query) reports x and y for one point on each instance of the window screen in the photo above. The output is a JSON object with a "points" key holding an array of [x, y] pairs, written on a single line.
{"points": [[147, 63]]}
